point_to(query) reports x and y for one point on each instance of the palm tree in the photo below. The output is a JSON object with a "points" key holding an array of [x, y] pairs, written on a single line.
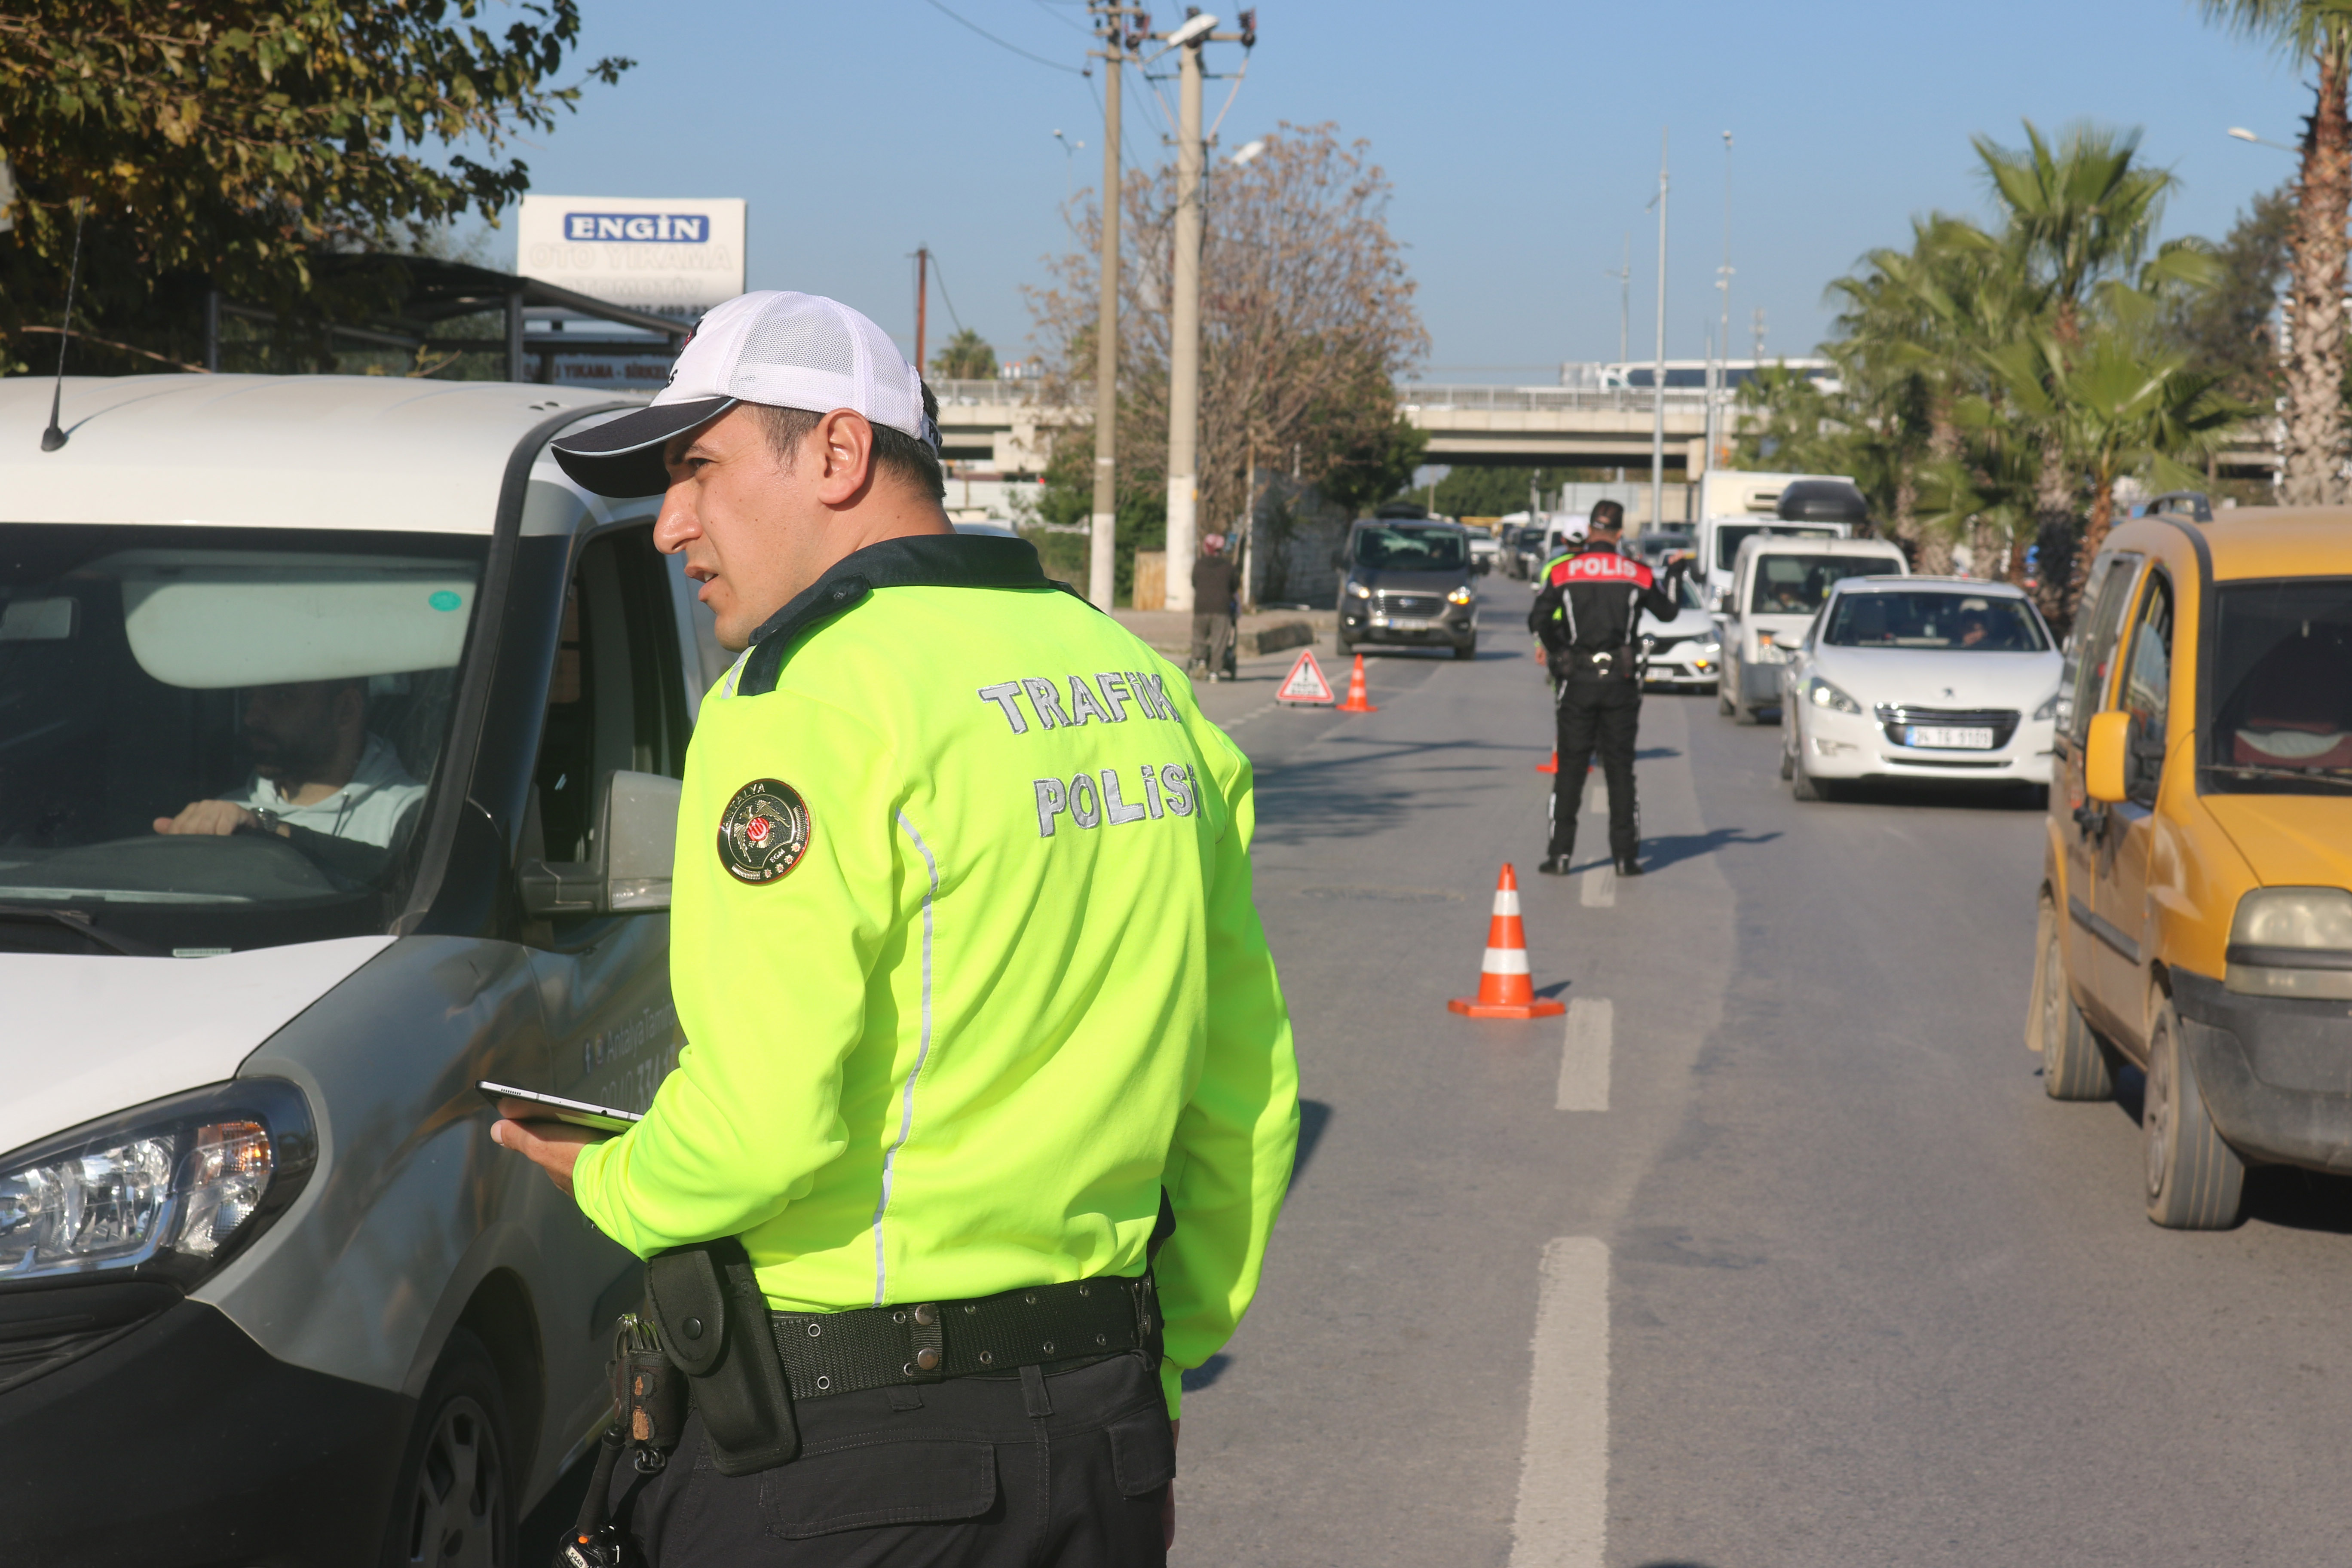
{"points": [[2124, 407], [2319, 31], [964, 357], [2079, 212]]}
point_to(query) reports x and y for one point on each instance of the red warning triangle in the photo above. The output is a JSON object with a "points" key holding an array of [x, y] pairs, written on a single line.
{"points": [[1305, 683]]}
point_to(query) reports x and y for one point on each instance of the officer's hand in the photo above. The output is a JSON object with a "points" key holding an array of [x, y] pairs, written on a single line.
{"points": [[553, 1146], [218, 817]]}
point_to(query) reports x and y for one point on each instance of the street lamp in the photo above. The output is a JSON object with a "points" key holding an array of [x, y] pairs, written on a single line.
{"points": [[2242, 135], [1247, 152], [1069, 149], [1193, 29]]}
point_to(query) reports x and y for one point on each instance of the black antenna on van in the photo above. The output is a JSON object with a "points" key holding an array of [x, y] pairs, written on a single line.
{"points": [[54, 437]]}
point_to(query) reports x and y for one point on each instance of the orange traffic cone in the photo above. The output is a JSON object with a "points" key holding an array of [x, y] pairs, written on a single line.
{"points": [[1359, 699], [1552, 767], [1504, 989]]}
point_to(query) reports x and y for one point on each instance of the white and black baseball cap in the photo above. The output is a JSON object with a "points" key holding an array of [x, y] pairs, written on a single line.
{"points": [[771, 346]]}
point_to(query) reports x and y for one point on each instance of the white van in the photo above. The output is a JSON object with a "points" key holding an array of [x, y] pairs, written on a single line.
{"points": [[1777, 584], [1719, 538], [268, 1291]]}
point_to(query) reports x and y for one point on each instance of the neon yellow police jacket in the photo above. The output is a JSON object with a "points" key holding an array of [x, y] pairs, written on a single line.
{"points": [[963, 950]]}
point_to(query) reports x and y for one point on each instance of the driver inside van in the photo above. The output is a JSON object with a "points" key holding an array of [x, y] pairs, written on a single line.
{"points": [[317, 770]]}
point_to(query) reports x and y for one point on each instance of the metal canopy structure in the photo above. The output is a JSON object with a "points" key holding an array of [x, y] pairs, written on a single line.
{"points": [[426, 292]]}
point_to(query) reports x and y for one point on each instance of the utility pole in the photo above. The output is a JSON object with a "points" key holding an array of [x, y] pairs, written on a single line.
{"points": [[1722, 436], [1184, 303], [1184, 332], [922, 301], [1625, 275], [1101, 577], [1759, 336], [1658, 374]]}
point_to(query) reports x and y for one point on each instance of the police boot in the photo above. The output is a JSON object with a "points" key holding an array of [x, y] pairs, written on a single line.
{"points": [[1629, 866], [1554, 866]]}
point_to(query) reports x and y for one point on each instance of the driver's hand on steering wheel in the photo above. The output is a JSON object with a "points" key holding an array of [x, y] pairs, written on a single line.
{"points": [[218, 817]]}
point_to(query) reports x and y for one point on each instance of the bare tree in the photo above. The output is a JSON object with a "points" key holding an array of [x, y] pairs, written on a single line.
{"points": [[1306, 316]]}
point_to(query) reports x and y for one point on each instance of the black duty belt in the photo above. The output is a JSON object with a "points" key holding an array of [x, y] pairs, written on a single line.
{"points": [[927, 1341]]}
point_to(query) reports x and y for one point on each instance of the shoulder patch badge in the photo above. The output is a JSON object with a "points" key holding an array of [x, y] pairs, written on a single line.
{"points": [[763, 832]]}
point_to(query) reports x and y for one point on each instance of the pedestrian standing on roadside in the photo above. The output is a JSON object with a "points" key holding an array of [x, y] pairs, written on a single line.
{"points": [[988, 1100], [1213, 609], [1587, 615]]}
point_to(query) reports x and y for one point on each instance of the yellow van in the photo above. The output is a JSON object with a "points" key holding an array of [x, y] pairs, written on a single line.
{"points": [[2196, 912]]}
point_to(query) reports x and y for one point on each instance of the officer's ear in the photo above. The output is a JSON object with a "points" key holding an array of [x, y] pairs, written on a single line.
{"points": [[843, 442]]}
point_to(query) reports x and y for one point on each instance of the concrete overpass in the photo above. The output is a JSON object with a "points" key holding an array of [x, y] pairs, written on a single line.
{"points": [[1001, 424]]}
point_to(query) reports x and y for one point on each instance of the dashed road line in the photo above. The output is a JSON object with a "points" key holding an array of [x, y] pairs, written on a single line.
{"points": [[1584, 1054], [1599, 889], [1562, 1519]]}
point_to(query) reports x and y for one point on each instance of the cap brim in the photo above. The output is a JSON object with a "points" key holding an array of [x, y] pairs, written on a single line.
{"points": [[622, 457]]}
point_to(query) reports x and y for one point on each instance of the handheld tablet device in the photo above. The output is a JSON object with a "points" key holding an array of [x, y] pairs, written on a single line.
{"points": [[602, 1118]]}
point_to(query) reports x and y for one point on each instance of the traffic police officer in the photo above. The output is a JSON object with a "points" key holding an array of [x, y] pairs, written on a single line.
{"points": [[1586, 615], [976, 998]]}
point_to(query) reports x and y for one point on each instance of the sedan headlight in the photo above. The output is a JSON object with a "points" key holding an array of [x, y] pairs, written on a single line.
{"points": [[2292, 942], [1821, 694], [1460, 596], [2049, 708], [1357, 589], [170, 1189]]}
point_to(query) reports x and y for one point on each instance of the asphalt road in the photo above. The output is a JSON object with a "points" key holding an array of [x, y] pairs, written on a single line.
{"points": [[1828, 1281]]}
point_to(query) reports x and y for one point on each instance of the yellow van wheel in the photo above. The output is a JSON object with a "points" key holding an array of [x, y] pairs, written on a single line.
{"points": [[2074, 1064], [2195, 1182]]}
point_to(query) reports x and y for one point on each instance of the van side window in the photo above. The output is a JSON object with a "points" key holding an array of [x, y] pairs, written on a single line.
{"points": [[2090, 650], [2147, 691], [617, 700]]}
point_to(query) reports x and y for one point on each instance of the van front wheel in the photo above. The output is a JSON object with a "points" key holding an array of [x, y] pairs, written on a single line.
{"points": [[2074, 1066], [2194, 1180], [454, 1502]]}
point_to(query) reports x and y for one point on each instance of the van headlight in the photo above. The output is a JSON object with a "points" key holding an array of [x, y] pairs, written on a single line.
{"points": [[171, 1189], [1460, 596], [2292, 942], [1821, 694], [1357, 589]]}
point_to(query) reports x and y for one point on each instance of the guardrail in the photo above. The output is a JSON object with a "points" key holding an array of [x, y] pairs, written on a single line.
{"points": [[1560, 399]]}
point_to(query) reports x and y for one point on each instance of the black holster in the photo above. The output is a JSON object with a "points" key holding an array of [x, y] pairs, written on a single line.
{"points": [[706, 1299]]}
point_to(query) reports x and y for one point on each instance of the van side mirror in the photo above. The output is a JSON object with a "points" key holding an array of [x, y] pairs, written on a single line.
{"points": [[2102, 756], [636, 848]]}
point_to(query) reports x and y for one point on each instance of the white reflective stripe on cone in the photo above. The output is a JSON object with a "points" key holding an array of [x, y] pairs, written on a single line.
{"points": [[1506, 900], [1504, 961]]}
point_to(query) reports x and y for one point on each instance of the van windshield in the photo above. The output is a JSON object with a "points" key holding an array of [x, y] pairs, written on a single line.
{"points": [[1401, 547], [1729, 536], [1796, 584], [215, 738], [1960, 623], [2280, 701]]}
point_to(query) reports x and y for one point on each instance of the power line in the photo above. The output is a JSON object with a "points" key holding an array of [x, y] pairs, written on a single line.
{"points": [[1000, 43], [942, 273]]}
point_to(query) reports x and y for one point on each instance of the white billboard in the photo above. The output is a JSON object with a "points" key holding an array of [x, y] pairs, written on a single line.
{"points": [[676, 256]]}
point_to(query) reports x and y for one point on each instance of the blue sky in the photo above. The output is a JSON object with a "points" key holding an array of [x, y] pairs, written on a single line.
{"points": [[1522, 140]]}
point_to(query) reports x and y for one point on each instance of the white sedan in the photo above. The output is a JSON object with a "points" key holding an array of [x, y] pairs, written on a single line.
{"points": [[1920, 678]]}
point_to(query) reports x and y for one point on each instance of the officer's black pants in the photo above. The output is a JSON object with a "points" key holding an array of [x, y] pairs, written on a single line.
{"points": [[1024, 1470], [1598, 714]]}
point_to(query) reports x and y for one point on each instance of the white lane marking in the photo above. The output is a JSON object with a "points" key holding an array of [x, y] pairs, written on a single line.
{"points": [[1584, 1058], [1563, 1514], [1600, 888]]}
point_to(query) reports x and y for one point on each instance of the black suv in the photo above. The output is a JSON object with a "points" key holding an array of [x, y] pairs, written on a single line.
{"points": [[1406, 582]]}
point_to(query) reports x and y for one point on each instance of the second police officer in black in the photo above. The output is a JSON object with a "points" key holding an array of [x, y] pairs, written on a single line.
{"points": [[1587, 613]]}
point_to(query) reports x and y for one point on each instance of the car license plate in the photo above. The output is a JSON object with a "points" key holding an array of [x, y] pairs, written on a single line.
{"points": [[1407, 624], [1947, 737]]}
